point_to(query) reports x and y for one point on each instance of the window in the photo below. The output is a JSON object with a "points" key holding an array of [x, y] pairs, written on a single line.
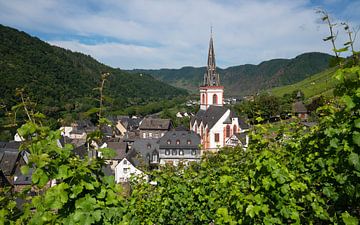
{"points": [[235, 129], [162, 134], [144, 135], [126, 170], [168, 142], [217, 137], [189, 142], [203, 99], [177, 142], [181, 152], [167, 152], [125, 161], [215, 99], [174, 152], [150, 134], [154, 157], [148, 146], [227, 132], [193, 152], [156, 135]]}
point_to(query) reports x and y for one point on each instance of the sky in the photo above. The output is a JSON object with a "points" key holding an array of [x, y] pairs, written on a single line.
{"points": [[153, 34]]}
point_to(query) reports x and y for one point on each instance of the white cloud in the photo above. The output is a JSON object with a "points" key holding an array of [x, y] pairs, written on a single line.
{"points": [[158, 34]]}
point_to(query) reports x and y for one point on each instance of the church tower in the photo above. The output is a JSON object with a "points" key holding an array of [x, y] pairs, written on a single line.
{"points": [[211, 92]]}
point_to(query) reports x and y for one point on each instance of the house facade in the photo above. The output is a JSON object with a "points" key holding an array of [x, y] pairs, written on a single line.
{"points": [[213, 122], [177, 147], [154, 128]]}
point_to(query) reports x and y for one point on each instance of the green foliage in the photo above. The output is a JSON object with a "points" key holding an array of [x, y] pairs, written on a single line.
{"points": [[61, 82], [248, 79], [313, 86], [297, 176]]}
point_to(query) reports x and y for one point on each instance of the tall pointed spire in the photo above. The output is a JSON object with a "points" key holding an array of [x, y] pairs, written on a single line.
{"points": [[211, 78]]}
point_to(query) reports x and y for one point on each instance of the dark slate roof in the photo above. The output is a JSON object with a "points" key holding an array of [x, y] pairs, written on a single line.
{"points": [[181, 128], [241, 137], [3, 180], [155, 124], [107, 170], [131, 136], [10, 145], [141, 149], [24, 179], [81, 151], [130, 123], [180, 139], [210, 116], [120, 149], [299, 107], [107, 130], [8, 159]]}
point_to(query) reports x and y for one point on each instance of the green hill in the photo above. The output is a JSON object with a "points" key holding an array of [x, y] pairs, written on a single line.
{"points": [[248, 79], [60, 80], [319, 84]]}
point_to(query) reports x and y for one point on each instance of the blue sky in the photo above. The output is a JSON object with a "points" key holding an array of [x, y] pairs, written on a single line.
{"points": [[171, 34]]}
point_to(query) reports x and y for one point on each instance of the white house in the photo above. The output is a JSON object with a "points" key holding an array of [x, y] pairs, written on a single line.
{"points": [[126, 170]]}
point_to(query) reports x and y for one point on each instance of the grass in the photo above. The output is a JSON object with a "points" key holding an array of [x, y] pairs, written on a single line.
{"points": [[318, 84]]}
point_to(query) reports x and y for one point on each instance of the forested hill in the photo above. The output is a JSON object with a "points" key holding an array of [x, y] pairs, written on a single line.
{"points": [[248, 79], [59, 79]]}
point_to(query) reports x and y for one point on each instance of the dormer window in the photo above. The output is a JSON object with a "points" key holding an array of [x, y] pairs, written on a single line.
{"points": [[168, 142], [148, 146], [189, 142], [177, 142]]}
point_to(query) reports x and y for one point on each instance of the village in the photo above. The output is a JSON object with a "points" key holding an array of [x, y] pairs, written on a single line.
{"points": [[145, 144]]}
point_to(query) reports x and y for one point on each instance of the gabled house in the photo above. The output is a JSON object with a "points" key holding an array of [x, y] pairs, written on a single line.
{"points": [[120, 148], [299, 110], [126, 169], [179, 147], [145, 153], [154, 128], [238, 139], [127, 124], [10, 162]]}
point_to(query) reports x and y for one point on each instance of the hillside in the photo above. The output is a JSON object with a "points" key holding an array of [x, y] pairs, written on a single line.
{"points": [[318, 84], [61, 80], [248, 79]]}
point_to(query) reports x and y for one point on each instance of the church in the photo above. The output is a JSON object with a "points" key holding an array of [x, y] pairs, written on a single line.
{"points": [[213, 122]]}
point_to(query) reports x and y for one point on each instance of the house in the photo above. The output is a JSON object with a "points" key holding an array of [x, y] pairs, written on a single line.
{"points": [[213, 122], [120, 147], [238, 139], [299, 109], [78, 130], [145, 153], [143, 156], [154, 128], [179, 146], [10, 162], [126, 169], [126, 124]]}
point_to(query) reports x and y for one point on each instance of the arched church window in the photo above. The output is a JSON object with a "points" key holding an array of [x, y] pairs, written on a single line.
{"points": [[235, 129], [227, 131], [215, 99], [203, 98]]}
